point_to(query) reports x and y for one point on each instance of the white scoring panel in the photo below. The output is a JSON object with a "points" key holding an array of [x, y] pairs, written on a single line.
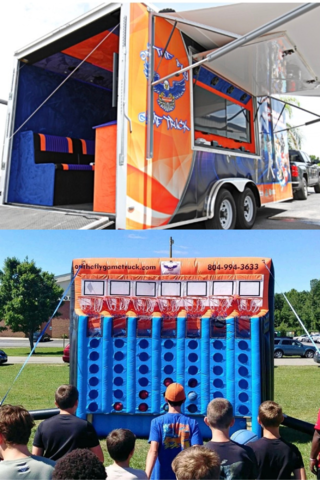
{"points": [[197, 289], [93, 287], [146, 289], [222, 288], [249, 289], [171, 289], [119, 288]]}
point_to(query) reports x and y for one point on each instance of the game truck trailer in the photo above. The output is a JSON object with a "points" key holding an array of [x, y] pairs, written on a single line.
{"points": [[159, 119]]}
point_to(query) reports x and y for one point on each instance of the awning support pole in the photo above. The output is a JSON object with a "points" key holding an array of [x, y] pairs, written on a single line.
{"points": [[298, 126], [284, 106], [297, 12]]}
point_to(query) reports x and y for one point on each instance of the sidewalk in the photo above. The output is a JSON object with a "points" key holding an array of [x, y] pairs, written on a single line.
{"points": [[35, 359]]}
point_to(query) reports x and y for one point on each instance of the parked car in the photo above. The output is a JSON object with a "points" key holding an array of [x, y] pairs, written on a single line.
{"points": [[45, 338], [315, 338], [300, 338], [3, 357], [304, 174], [290, 347], [66, 354]]}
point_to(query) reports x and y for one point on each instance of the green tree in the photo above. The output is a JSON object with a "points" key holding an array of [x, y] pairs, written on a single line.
{"points": [[28, 296], [315, 303]]}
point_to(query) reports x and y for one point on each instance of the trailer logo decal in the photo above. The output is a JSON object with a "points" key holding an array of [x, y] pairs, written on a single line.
{"points": [[171, 123], [167, 94]]}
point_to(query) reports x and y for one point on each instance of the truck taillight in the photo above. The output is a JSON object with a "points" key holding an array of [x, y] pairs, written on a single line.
{"points": [[294, 171]]}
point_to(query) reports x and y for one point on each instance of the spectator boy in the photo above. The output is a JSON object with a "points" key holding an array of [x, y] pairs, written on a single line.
{"points": [[79, 464], [169, 434], [315, 450], [237, 461], [277, 459], [65, 432], [15, 429], [196, 463], [120, 445]]}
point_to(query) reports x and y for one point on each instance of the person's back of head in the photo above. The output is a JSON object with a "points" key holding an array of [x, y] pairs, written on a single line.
{"points": [[66, 397], [16, 424], [120, 444], [270, 414], [197, 463], [80, 464], [220, 414], [175, 395]]}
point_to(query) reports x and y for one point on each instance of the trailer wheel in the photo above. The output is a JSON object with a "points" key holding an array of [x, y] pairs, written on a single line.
{"points": [[224, 212], [317, 186], [246, 209]]}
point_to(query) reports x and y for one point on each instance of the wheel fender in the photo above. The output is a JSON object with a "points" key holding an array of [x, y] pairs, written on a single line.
{"points": [[229, 183]]}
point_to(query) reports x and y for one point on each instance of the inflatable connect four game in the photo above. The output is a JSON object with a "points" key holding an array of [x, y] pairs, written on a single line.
{"points": [[138, 325]]}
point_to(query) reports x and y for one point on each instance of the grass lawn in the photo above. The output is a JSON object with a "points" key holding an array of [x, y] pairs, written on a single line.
{"points": [[39, 351], [296, 389]]}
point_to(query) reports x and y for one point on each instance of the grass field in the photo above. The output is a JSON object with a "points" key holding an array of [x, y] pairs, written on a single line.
{"points": [[39, 351], [296, 389]]}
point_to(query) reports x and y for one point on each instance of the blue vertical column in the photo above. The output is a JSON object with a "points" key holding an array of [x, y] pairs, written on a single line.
{"points": [[256, 375], [156, 368], [205, 364], [118, 367], [107, 366], [131, 364], [218, 363], [82, 372], [181, 363], [230, 365], [243, 374], [168, 361]]}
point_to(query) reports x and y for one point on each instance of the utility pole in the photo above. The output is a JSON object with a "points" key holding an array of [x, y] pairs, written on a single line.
{"points": [[171, 243]]}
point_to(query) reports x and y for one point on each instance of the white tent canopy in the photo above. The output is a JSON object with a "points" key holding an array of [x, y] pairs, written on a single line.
{"points": [[286, 60]]}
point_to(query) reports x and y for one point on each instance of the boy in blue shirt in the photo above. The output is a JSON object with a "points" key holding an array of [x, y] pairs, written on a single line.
{"points": [[170, 434]]}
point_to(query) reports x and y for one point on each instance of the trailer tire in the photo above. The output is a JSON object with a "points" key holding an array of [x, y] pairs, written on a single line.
{"points": [[246, 209], [225, 212]]}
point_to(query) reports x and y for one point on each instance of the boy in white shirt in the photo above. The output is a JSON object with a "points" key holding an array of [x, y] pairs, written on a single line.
{"points": [[120, 445]]}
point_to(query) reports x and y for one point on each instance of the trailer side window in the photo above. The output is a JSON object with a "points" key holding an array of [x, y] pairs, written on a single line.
{"points": [[222, 113]]}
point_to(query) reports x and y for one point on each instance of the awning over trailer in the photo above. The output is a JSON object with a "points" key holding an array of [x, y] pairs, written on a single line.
{"points": [[284, 61]]}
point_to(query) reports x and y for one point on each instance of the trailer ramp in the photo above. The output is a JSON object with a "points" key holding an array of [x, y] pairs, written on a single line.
{"points": [[15, 217]]}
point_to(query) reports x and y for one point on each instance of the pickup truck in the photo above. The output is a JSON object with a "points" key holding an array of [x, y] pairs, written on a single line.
{"points": [[304, 174]]}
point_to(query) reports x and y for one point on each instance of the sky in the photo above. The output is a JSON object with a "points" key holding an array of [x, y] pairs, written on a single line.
{"points": [[24, 21], [295, 254]]}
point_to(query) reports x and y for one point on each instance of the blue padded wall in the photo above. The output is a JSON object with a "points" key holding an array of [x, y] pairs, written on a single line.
{"points": [[131, 371], [72, 112], [30, 183]]}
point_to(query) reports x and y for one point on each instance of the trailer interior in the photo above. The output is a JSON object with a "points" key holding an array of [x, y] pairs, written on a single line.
{"points": [[53, 154]]}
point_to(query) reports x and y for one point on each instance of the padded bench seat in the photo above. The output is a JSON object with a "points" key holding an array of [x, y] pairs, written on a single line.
{"points": [[52, 170]]}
